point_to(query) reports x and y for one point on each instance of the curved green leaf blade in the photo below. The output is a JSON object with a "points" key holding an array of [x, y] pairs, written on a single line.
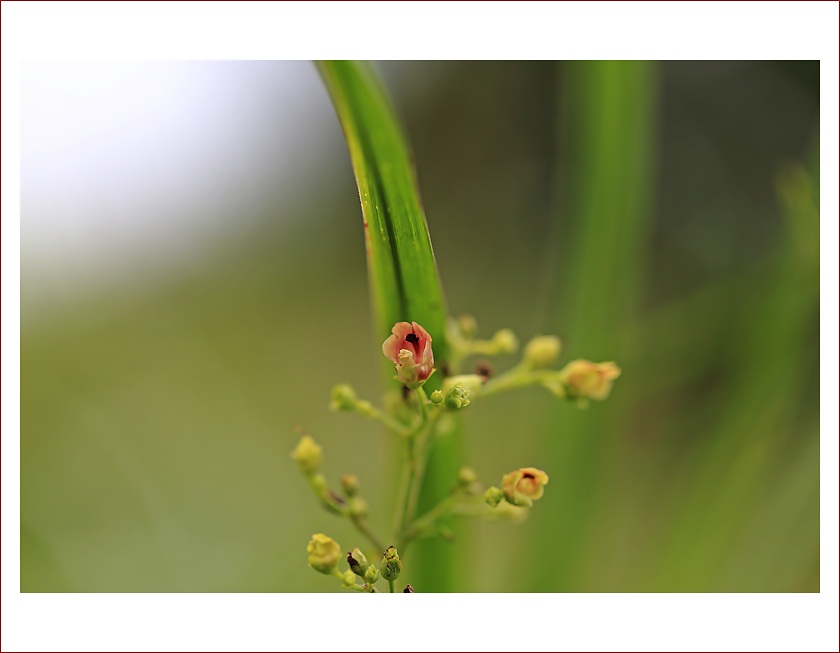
{"points": [[403, 275]]}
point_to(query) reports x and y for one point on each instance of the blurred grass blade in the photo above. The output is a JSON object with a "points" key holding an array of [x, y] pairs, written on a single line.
{"points": [[607, 118], [403, 275]]}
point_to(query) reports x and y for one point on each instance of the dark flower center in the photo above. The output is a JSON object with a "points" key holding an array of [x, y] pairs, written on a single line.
{"points": [[412, 338]]}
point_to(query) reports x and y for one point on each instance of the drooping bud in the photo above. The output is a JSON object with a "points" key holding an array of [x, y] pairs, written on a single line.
{"points": [[308, 455], [324, 553], [493, 496], [542, 351], [357, 561], [391, 564], [524, 486], [587, 380], [409, 347]]}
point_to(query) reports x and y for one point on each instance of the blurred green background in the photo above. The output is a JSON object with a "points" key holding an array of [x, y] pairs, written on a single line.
{"points": [[194, 283]]}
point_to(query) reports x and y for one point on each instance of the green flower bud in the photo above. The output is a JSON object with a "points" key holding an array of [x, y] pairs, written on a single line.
{"points": [[357, 561], [457, 397], [505, 342], [467, 326], [493, 496], [436, 397], [350, 484], [308, 455], [542, 351], [372, 574], [319, 485], [358, 507], [391, 564], [348, 578], [343, 397], [324, 553], [466, 477]]}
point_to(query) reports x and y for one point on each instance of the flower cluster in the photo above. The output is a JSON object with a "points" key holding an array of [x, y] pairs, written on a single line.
{"points": [[325, 555], [419, 419]]}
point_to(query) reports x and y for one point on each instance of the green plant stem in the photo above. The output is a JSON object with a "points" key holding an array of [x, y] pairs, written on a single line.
{"points": [[418, 468], [404, 485], [391, 586], [441, 510], [340, 576], [517, 377], [388, 421], [422, 400], [414, 465], [361, 525]]}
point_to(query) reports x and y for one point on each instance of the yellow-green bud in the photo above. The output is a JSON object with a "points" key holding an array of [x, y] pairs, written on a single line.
{"points": [[343, 397], [307, 455], [324, 553], [505, 342], [457, 397], [319, 485], [358, 507], [493, 496], [391, 564], [372, 575], [350, 484], [467, 326], [466, 477], [357, 561], [542, 351], [587, 380], [436, 397], [348, 578]]}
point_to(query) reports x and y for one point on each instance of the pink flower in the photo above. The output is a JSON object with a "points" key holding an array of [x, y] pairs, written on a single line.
{"points": [[409, 347]]}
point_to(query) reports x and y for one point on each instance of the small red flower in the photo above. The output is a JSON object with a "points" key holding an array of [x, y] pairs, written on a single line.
{"points": [[409, 347]]}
